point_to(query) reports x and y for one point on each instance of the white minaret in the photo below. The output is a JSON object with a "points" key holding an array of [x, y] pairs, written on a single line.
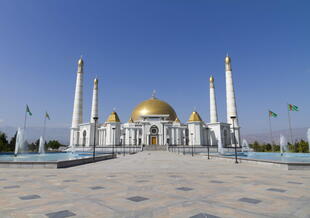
{"points": [[213, 108], [230, 99], [94, 107], [77, 116]]}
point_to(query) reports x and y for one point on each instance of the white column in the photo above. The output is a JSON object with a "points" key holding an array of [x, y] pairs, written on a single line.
{"points": [[230, 99], [94, 108], [77, 116], [213, 109]]}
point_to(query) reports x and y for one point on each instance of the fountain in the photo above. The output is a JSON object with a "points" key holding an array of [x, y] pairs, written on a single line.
{"points": [[41, 146], [308, 136], [20, 142], [283, 144], [245, 146]]}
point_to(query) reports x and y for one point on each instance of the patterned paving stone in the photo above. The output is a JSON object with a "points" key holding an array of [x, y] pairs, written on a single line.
{"points": [[2, 179], [204, 215], [96, 187], [216, 181], [292, 182], [276, 190], [137, 198], [70, 180], [242, 177], [142, 181], [29, 197], [175, 176], [250, 200], [184, 189], [50, 175], [60, 214], [12, 186]]}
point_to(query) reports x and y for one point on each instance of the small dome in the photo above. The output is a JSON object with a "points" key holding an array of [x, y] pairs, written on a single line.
{"points": [[177, 120], [194, 117], [113, 118], [96, 81], [153, 106]]}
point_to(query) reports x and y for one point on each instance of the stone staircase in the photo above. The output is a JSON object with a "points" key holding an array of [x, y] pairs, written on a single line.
{"points": [[155, 148]]}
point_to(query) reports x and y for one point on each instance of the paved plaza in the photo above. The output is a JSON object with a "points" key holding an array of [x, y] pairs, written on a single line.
{"points": [[155, 184]]}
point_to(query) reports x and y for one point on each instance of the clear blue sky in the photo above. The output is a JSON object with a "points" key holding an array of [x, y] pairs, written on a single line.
{"points": [[172, 46]]}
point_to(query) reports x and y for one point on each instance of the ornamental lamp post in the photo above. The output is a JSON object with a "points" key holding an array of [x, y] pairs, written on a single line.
{"points": [[183, 145], [123, 143], [192, 144], [94, 150], [234, 137], [113, 134]]}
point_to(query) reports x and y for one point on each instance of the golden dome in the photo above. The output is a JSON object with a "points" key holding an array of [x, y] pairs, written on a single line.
{"points": [[153, 106], [177, 120], [194, 117], [227, 59], [96, 81], [211, 79], [113, 118]]}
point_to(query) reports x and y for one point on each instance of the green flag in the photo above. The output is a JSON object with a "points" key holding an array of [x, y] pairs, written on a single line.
{"points": [[28, 110], [47, 116], [272, 114], [292, 107]]}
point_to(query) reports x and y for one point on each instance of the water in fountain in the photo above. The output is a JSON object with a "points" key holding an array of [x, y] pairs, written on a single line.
{"points": [[283, 144], [41, 146], [308, 135], [245, 146], [20, 142]]}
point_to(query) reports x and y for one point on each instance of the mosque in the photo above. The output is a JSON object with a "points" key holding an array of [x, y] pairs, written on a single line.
{"points": [[154, 122]]}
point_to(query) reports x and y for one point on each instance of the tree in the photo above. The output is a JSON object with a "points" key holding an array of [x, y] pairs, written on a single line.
{"points": [[53, 144], [3, 142]]}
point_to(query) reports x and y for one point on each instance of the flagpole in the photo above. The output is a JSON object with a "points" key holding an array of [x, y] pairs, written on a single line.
{"points": [[25, 119], [271, 137], [44, 127], [289, 123]]}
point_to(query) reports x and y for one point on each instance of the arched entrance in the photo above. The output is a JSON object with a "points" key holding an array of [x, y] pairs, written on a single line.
{"points": [[153, 135]]}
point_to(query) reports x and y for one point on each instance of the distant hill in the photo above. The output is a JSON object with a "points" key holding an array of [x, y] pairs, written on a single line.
{"points": [[34, 133]]}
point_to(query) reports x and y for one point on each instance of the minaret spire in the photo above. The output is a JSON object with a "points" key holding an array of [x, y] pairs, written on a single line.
{"points": [[213, 108], [94, 107], [77, 116], [230, 98]]}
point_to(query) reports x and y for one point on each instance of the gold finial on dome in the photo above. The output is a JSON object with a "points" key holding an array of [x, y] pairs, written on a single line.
{"points": [[194, 117], [211, 79], [113, 118], [154, 94], [96, 81]]}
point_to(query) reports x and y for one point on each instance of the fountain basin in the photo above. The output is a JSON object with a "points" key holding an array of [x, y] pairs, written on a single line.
{"points": [[289, 161], [50, 160]]}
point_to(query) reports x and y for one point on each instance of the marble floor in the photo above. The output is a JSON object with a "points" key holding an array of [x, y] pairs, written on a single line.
{"points": [[155, 184]]}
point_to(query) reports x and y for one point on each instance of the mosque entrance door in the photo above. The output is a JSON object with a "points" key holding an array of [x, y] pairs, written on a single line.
{"points": [[154, 140], [154, 135]]}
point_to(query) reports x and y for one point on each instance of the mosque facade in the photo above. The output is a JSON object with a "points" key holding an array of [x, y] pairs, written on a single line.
{"points": [[154, 122]]}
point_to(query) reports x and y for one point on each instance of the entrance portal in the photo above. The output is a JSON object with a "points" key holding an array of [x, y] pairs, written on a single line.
{"points": [[154, 140]]}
